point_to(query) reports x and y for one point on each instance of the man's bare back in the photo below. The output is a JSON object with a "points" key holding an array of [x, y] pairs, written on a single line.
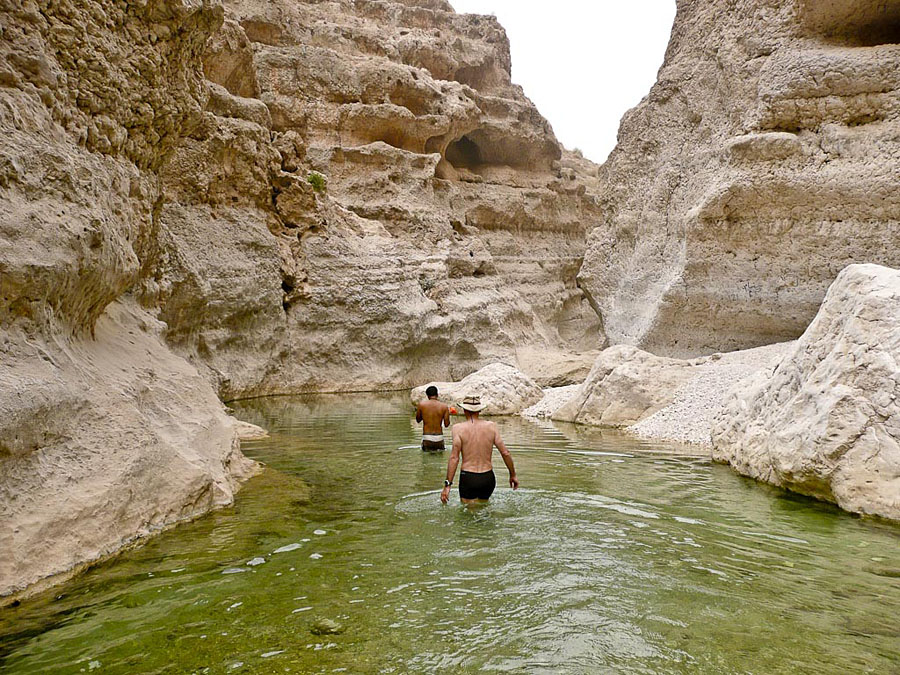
{"points": [[435, 415], [476, 439], [473, 443]]}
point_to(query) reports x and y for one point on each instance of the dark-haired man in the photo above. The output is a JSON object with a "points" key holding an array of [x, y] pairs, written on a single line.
{"points": [[435, 415]]}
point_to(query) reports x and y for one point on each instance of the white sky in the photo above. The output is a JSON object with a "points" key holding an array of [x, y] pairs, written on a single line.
{"points": [[583, 62]]}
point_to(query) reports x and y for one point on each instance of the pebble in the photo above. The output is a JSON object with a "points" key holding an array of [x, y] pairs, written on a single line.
{"points": [[287, 549], [256, 561], [326, 627]]}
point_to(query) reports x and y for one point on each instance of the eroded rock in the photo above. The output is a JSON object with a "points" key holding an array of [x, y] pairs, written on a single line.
{"points": [[762, 162], [504, 390], [624, 386], [444, 236], [827, 422]]}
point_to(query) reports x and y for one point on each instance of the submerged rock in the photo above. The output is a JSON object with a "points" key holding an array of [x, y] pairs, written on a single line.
{"points": [[504, 390], [248, 432], [827, 422], [326, 627]]}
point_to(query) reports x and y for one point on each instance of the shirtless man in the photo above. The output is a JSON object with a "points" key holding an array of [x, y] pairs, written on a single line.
{"points": [[434, 414], [475, 439]]}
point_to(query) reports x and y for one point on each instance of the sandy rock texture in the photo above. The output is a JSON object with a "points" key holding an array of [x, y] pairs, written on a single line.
{"points": [[696, 404], [105, 434], [554, 398], [103, 440], [763, 161], [827, 422], [368, 202], [504, 389]]}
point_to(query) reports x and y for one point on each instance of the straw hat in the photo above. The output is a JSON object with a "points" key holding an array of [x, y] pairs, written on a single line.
{"points": [[473, 403]]}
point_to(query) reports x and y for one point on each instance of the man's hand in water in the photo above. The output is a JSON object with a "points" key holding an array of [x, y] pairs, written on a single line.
{"points": [[445, 495], [514, 482]]}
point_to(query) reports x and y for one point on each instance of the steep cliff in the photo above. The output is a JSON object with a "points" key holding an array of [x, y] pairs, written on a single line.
{"points": [[763, 161], [368, 202], [105, 434]]}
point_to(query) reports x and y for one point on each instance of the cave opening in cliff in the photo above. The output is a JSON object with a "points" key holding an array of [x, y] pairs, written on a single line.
{"points": [[864, 23], [464, 154]]}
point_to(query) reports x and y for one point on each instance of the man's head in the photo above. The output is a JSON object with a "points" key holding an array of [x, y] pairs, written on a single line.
{"points": [[472, 405], [431, 392]]}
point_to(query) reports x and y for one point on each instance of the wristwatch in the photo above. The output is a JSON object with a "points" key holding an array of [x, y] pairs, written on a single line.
{"points": [[447, 483]]}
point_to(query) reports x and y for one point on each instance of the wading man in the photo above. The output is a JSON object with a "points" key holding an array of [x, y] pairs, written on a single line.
{"points": [[474, 441], [435, 415]]}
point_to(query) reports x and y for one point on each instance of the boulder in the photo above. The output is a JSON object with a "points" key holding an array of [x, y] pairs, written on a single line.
{"points": [[505, 390], [556, 368], [625, 386], [827, 422]]}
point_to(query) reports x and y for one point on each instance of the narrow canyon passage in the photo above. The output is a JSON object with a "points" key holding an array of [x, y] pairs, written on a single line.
{"points": [[615, 556]]}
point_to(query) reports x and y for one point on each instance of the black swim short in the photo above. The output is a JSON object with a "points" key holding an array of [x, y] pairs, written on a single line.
{"points": [[432, 446], [476, 485]]}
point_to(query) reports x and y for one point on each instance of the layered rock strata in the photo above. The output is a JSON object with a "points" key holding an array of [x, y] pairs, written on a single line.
{"points": [[763, 161], [292, 195], [368, 202], [827, 422]]}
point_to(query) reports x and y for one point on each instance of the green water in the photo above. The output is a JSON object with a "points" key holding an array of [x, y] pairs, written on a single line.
{"points": [[615, 557]]}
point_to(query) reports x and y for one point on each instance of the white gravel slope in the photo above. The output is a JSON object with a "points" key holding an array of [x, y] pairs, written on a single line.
{"points": [[690, 416], [554, 399]]}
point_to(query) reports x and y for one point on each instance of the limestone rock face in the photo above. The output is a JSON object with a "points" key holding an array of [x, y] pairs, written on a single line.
{"points": [[827, 422], [103, 440], [105, 434], [445, 233], [503, 389], [762, 162]]}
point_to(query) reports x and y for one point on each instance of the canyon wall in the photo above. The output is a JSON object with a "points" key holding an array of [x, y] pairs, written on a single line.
{"points": [[255, 198], [763, 161], [826, 423], [368, 202], [105, 434]]}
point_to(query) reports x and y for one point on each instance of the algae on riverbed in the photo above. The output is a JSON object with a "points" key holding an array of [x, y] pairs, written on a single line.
{"points": [[612, 558]]}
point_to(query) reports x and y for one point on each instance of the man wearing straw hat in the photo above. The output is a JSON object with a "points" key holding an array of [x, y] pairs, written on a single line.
{"points": [[474, 441]]}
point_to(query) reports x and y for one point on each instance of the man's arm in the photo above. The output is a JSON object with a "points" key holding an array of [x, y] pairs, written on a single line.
{"points": [[507, 459], [452, 463], [446, 416], [419, 413]]}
